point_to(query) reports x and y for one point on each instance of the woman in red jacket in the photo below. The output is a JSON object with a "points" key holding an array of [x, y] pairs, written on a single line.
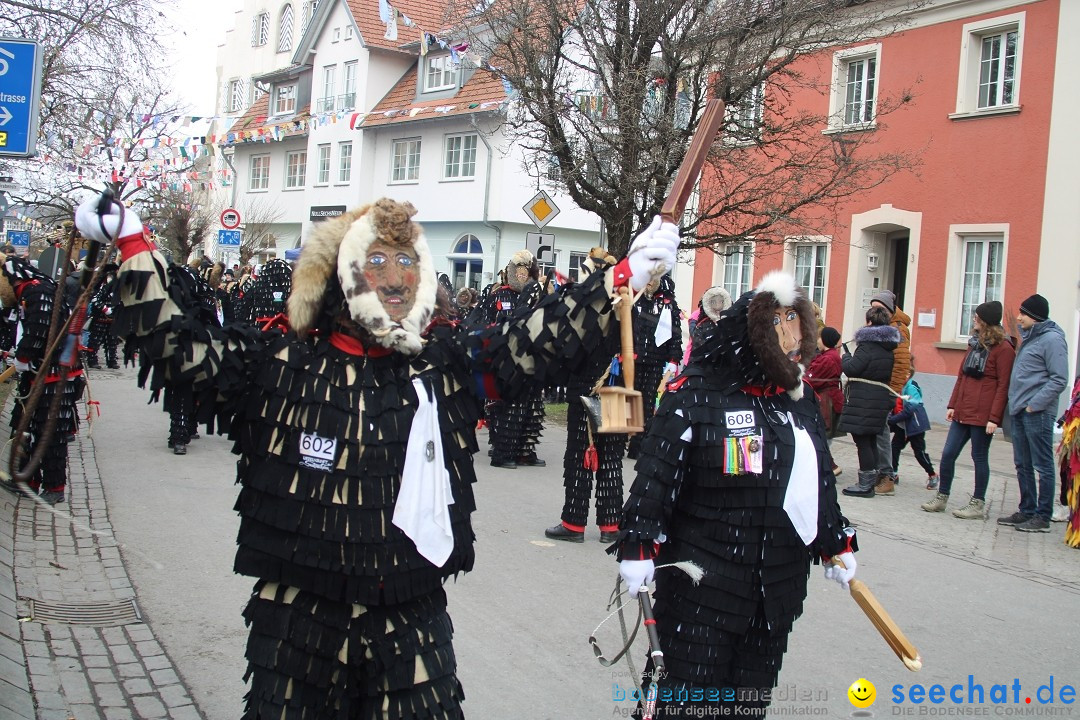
{"points": [[823, 374], [976, 408]]}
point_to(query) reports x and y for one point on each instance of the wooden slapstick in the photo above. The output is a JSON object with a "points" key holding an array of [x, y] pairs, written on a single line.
{"points": [[885, 625], [694, 160]]}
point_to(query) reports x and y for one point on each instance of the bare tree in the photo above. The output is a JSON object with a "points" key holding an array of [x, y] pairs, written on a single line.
{"points": [[180, 221], [260, 218], [608, 94]]}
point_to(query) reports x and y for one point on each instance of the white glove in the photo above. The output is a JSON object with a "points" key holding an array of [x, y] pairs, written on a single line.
{"points": [[842, 575], [652, 252], [86, 219], [636, 574], [671, 369], [20, 366]]}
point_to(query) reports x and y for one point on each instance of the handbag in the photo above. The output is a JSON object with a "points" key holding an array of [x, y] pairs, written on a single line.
{"points": [[975, 361]]}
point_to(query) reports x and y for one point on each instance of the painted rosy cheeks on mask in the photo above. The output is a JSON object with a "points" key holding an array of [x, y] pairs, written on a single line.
{"points": [[393, 273]]}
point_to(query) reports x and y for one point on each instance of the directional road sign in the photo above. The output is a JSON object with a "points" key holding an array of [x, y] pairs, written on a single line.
{"points": [[20, 93], [228, 238], [542, 245], [20, 239]]}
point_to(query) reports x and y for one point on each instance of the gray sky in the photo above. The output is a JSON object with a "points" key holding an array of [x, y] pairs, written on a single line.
{"points": [[194, 54]]}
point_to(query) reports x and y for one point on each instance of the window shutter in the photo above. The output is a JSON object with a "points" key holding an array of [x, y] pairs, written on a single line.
{"points": [[255, 31]]}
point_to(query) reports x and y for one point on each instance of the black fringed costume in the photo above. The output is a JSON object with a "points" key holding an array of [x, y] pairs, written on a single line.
{"points": [[269, 292], [101, 318], [347, 619], [697, 497], [35, 294], [651, 358], [514, 427]]}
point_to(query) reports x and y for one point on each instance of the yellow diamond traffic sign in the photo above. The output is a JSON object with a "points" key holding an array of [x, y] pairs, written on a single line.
{"points": [[541, 209]]}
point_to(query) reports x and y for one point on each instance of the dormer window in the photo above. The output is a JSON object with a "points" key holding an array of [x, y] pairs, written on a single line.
{"points": [[285, 99], [440, 73]]}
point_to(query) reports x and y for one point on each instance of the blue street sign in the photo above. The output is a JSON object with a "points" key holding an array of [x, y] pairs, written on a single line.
{"points": [[20, 93], [19, 238], [228, 238]]}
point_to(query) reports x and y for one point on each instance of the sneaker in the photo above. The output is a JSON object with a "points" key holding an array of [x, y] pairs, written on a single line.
{"points": [[931, 482], [1061, 513], [561, 532], [974, 510], [937, 504], [1034, 524], [1016, 518], [53, 496], [885, 486]]}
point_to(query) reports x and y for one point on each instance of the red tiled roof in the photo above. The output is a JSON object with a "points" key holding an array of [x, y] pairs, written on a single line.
{"points": [[255, 117], [482, 93], [427, 16]]}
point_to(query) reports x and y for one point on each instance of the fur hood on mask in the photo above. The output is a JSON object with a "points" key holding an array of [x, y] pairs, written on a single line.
{"points": [[329, 281], [742, 343]]}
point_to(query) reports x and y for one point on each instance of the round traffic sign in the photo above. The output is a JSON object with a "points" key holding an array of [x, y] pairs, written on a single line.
{"points": [[230, 218]]}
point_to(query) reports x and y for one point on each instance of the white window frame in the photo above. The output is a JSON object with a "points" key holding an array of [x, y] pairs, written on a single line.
{"points": [[548, 269], [322, 165], [721, 274], [326, 103], [285, 29], [306, 13], [295, 169], [285, 99], [745, 119], [462, 251], [259, 173], [838, 98], [819, 290], [335, 36], [406, 150], [967, 85], [575, 264], [439, 72], [345, 156], [256, 90], [348, 31], [260, 29], [457, 164], [953, 304], [236, 95], [349, 73]]}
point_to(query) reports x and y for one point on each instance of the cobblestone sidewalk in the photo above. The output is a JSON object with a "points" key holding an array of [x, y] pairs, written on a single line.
{"points": [[73, 645]]}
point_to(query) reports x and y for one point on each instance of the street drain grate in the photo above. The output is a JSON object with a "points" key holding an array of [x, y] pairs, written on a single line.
{"points": [[103, 614]]}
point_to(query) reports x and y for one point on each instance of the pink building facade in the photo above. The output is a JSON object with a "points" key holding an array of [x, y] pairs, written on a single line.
{"points": [[993, 212]]}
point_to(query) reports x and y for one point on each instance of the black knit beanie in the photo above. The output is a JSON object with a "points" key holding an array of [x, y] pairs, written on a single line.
{"points": [[1036, 307]]}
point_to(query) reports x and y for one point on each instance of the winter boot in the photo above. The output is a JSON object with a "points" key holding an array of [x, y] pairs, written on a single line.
{"points": [[974, 510], [885, 485], [865, 486], [937, 504]]}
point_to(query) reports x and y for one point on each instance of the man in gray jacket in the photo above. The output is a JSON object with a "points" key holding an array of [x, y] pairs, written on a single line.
{"points": [[1038, 377]]}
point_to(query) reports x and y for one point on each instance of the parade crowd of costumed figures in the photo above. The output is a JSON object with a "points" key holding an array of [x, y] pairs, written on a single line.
{"points": [[352, 386]]}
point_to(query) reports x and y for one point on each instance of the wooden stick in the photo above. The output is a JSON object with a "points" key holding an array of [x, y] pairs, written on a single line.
{"points": [[885, 625], [626, 329], [7, 373], [694, 160]]}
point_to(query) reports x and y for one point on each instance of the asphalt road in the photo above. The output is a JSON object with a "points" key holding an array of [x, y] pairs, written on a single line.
{"points": [[975, 598]]}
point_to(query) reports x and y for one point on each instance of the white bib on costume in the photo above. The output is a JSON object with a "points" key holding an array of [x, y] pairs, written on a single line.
{"points": [[423, 504], [663, 327], [801, 498]]}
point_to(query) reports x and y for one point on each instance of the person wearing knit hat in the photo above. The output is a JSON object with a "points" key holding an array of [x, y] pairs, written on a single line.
{"points": [[823, 374], [1036, 307], [1039, 375], [975, 411], [990, 312], [901, 371]]}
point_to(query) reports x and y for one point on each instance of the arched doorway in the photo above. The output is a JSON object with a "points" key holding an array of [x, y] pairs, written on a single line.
{"points": [[467, 262]]}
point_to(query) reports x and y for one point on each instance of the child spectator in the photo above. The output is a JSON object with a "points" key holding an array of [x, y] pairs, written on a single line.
{"points": [[909, 424], [823, 374]]}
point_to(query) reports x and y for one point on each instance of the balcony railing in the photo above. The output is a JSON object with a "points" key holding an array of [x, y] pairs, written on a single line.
{"points": [[335, 102]]}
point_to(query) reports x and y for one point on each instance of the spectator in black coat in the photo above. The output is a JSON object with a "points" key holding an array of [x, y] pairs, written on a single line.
{"points": [[869, 396]]}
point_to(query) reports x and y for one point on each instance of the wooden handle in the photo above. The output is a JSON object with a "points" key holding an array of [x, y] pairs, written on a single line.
{"points": [[626, 329], [884, 624], [693, 162]]}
